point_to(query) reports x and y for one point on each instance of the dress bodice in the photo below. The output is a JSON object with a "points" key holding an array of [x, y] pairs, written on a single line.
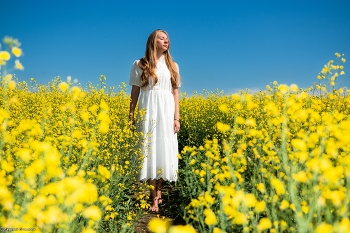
{"points": [[163, 75]]}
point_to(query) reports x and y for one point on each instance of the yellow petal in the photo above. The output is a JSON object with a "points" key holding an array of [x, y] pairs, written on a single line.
{"points": [[5, 56], [18, 65], [16, 51]]}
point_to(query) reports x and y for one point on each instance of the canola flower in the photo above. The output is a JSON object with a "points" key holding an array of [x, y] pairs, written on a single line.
{"points": [[68, 155], [276, 160]]}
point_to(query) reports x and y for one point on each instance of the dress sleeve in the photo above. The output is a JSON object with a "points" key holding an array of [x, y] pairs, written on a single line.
{"points": [[135, 74], [178, 71]]}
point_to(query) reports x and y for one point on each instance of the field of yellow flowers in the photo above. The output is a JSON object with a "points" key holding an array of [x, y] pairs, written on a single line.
{"points": [[68, 156], [273, 161]]}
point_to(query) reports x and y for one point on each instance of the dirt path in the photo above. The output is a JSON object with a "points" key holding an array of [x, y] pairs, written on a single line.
{"points": [[169, 209]]}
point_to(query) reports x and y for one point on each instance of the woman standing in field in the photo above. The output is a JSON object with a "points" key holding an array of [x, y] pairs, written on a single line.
{"points": [[155, 80]]}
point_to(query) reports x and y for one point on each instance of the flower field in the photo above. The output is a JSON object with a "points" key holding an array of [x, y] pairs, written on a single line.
{"points": [[277, 160]]}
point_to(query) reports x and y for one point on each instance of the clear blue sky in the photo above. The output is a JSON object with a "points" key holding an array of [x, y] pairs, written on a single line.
{"points": [[228, 45]]}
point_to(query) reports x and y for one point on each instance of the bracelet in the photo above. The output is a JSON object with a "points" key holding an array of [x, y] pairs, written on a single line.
{"points": [[176, 120]]}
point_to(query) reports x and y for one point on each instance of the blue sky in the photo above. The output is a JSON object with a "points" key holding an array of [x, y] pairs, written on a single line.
{"points": [[228, 45]]}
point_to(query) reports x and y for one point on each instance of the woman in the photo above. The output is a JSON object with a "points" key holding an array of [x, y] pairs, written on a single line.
{"points": [[155, 80]]}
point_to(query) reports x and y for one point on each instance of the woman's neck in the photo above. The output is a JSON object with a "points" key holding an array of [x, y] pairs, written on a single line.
{"points": [[159, 55]]}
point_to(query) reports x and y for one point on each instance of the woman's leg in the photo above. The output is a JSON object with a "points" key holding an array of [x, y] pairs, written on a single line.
{"points": [[154, 206], [159, 191]]}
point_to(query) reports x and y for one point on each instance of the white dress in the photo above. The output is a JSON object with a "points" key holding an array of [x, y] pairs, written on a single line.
{"points": [[159, 144]]}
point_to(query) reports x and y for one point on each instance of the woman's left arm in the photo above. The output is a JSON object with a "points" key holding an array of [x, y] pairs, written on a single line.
{"points": [[177, 111]]}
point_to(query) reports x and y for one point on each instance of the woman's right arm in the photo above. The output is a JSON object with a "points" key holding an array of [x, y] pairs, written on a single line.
{"points": [[135, 91]]}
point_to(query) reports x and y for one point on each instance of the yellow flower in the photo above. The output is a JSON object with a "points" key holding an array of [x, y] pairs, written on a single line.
{"points": [[78, 208], [104, 172], [292, 206], [240, 219], [103, 116], [12, 85], [278, 186], [325, 70], [7, 166], [344, 225], [18, 65], [93, 108], [184, 229], [217, 230], [157, 225], [249, 200], [284, 205], [260, 206], [324, 228], [283, 88], [104, 105], [24, 154], [63, 86], [250, 122], [223, 108], [240, 120], [261, 187], [305, 209], [209, 199], [103, 127], [88, 230], [92, 212], [222, 127], [210, 218], [16, 51], [35, 168], [84, 116], [300, 177], [4, 56], [343, 59], [264, 224], [8, 77], [72, 170], [76, 92], [294, 88], [299, 144]]}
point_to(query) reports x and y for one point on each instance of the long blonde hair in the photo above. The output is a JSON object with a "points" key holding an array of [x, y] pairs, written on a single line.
{"points": [[148, 62]]}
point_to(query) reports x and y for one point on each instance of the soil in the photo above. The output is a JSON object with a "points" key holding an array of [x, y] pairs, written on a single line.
{"points": [[168, 209]]}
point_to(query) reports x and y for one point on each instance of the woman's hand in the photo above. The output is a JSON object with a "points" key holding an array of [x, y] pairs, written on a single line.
{"points": [[176, 126], [135, 91], [132, 120]]}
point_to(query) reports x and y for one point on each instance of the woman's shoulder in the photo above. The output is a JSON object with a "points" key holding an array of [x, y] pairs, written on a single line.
{"points": [[136, 64], [177, 66]]}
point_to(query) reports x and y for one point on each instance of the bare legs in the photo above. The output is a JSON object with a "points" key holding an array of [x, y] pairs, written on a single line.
{"points": [[156, 193]]}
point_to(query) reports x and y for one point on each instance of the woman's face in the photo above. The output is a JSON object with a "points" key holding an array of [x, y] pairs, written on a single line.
{"points": [[162, 42]]}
